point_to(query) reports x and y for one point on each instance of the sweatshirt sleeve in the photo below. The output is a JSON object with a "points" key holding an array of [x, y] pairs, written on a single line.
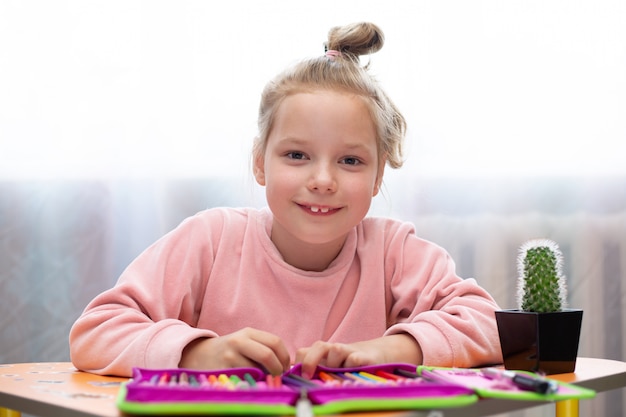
{"points": [[149, 316], [452, 319]]}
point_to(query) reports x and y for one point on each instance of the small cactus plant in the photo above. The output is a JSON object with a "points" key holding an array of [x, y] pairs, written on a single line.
{"points": [[541, 284]]}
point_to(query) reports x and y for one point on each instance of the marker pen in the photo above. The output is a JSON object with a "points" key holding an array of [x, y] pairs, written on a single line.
{"points": [[523, 381]]}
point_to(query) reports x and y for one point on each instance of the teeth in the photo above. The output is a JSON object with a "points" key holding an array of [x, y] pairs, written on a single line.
{"points": [[315, 209]]}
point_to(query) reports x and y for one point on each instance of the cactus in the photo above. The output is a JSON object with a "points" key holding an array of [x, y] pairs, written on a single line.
{"points": [[541, 284]]}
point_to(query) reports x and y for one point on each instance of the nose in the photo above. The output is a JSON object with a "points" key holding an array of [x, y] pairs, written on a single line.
{"points": [[323, 179]]}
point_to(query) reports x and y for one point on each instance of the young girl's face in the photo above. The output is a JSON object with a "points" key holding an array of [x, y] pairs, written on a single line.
{"points": [[321, 168]]}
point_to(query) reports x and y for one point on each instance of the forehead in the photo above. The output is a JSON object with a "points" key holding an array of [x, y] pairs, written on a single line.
{"points": [[325, 113], [311, 97]]}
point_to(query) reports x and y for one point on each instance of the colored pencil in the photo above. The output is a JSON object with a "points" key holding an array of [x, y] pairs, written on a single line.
{"points": [[250, 380], [374, 378]]}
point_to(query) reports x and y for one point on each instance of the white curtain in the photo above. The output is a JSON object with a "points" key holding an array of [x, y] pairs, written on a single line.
{"points": [[120, 118]]}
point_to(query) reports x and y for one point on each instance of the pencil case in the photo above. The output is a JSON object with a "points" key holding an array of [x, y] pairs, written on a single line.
{"points": [[488, 386], [250, 391]]}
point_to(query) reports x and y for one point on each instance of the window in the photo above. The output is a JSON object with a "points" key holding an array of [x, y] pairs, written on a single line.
{"points": [[166, 88]]}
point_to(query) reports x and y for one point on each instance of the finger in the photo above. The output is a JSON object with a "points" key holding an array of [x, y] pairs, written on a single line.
{"points": [[312, 357], [356, 358], [224, 352], [300, 354], [279, 349], [337, 355], [268, 351]]}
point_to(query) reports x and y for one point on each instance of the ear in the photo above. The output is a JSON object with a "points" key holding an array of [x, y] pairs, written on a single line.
{"points": [[259, 168]]}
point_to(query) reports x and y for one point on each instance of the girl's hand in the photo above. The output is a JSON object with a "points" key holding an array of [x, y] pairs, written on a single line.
{"points": [[244, 348], [386, 349]]}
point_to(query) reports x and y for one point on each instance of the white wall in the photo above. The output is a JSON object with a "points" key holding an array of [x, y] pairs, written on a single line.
{"points": [[170, 88]]}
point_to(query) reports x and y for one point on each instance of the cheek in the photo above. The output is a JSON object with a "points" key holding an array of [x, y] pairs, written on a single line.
{"points": [[364, 188], [279, 182]]}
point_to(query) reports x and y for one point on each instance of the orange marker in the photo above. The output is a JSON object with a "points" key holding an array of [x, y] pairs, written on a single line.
{"points": [[326, 377], [330, 378], [274, 381], [213, 380]]}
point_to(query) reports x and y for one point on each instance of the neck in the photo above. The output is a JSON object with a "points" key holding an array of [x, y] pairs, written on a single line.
{"points": [[307, 256]]}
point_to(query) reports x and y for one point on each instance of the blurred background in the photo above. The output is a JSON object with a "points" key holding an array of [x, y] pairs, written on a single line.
{"points": [[118, 119]]}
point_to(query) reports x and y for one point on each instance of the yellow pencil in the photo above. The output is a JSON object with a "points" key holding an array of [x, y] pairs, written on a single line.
{"points": [[374, 377], [225, 381]]}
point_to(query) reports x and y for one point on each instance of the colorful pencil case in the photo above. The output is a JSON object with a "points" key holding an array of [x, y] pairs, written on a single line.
{"points": [[486, 385], [252, 392]]}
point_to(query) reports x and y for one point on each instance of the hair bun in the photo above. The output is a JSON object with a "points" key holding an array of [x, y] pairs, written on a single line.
{"points": [[356, 39]]}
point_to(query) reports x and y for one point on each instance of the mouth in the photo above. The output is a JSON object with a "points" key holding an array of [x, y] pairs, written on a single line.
{"points": [[319, 210]]}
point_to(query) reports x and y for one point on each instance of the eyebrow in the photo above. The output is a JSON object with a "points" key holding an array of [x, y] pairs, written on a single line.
{"points": [[297, 141]]}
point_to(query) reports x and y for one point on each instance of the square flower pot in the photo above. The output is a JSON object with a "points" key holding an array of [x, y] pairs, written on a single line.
{"points": [[540, 342]]}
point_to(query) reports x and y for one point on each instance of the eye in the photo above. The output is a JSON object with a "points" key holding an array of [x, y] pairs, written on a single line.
{"points": [[351, 160], [295, 155]]}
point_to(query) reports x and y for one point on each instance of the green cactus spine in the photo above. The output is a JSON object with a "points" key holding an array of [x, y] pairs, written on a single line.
{"points": [[541, 284]]}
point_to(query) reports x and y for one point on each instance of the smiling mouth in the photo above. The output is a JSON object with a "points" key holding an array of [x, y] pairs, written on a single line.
{"points": [[319, 209]]}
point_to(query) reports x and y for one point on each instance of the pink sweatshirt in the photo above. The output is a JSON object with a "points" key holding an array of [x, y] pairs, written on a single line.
{"points": [[219, 272]]}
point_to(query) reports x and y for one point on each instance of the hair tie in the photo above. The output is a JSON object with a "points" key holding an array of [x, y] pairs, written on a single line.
{"points": [[332, 54]]}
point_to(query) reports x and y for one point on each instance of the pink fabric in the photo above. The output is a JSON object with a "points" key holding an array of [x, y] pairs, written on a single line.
{"points": [[219, 272]]}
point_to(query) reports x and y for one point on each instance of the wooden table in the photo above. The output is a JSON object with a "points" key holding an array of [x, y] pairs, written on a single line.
{"points": [[59, 389]]}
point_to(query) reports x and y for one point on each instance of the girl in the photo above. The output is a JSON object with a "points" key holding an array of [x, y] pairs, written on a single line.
{"points": [[310, 279]]}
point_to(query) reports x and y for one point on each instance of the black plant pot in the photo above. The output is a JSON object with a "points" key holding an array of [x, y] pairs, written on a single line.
{"points": [[540, 342]]}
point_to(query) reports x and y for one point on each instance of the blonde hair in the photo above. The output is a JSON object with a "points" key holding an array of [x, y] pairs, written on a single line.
{"points": [[340, 71]]}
